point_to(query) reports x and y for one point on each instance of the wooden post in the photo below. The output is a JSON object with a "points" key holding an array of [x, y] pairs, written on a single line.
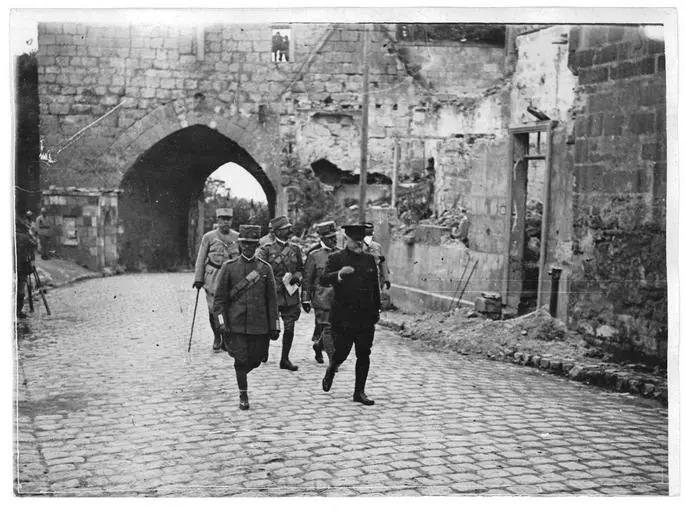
{"points": [[365, 123], [394, 185]]}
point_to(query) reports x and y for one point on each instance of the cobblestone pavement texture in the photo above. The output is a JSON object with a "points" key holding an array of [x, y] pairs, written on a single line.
{"points": [[109, 402]]}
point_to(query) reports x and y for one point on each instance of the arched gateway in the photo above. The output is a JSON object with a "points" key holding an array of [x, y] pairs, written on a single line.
{"points": [[161, 190], [161, 163]]}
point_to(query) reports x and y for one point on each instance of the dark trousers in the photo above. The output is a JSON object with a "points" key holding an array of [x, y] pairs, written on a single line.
{"points": [[289, 315], [362, 337], [22, 280]]}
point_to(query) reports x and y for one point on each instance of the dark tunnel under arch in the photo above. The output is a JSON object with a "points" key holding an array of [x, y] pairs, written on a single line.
{"points": [[160, 189]]}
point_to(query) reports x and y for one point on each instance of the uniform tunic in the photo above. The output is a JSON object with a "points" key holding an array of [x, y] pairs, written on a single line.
{"points": [[285, 258], [252, 314], [318, 295], [215, 249], [375, 249], [355, 309]]}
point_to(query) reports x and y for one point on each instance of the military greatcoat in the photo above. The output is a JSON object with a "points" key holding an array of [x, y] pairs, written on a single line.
{"points": [[254, 309]]}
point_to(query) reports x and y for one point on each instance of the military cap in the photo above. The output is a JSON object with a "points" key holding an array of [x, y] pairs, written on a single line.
{"points": [[326, 229], [280, 223], [355, 231], [249, 233], [369, 227], [224, 212]]}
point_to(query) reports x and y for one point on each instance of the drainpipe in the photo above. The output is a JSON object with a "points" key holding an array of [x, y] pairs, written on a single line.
{"points": [[554, 274]]}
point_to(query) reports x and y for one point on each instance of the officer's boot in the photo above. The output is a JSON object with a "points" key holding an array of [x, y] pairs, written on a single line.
{"points": [[361, 371], [328, 376], [242, 380], [286, 344], [217, 345], [317, 346]]}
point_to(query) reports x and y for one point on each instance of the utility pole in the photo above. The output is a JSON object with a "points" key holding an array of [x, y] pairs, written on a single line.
{"points": [[365, 122]]}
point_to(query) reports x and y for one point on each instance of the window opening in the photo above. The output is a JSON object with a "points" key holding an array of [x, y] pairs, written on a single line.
{"points": [[281, 44]]}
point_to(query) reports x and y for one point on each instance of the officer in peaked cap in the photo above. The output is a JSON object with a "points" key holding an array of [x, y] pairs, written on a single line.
{"points": [[374, 248], [286, 261], [355, 307], [216, 247], [315, 294], [245, 307]]}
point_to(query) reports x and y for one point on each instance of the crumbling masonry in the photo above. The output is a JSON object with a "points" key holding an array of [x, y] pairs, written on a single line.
{"points": [[179, 102]]}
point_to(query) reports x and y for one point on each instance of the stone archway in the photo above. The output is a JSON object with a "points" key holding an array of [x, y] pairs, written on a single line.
{"points": [[162, 186]]}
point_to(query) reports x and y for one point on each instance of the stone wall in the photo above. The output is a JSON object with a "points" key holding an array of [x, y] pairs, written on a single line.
{"points": [[83, 225], [618, 287]]}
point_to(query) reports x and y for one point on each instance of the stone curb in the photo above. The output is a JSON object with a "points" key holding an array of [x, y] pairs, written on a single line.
{"points": [[609, 376]]}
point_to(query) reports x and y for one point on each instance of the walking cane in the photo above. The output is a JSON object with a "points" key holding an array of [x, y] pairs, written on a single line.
{"points": [[39, 285], [190, 338]]}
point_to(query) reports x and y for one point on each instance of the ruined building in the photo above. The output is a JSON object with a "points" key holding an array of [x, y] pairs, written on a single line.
{"points": [[552, 137]]}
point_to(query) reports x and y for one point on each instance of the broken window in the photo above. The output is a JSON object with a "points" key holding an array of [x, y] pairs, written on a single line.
{"points": [[281, 44]]}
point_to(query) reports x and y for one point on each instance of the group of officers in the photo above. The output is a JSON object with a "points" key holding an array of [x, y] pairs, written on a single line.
{"points": [[253, 283]]}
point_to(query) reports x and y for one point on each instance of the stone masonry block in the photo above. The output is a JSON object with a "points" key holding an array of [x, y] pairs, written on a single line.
{"points": [[642, 123], [613, 124], [593, 75]]}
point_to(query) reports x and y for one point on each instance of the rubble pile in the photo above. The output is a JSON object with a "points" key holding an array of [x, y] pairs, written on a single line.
{"points": [[536, 339]]}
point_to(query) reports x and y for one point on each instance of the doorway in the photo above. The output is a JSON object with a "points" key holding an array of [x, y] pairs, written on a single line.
{"points": [[529, 179]]}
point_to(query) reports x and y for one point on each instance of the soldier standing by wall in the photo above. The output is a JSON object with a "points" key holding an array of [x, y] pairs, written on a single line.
{"points": [[216, 247], [43, 234], [315, 294], [246, 309], [375, 249], [26, 247], [286, 261], [355, 308]]}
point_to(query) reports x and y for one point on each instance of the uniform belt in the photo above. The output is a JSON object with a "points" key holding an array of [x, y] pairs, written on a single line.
{"points": [[213, 265]]}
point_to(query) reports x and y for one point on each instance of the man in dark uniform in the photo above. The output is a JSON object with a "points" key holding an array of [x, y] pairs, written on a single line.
{"points": [[355, 307], [245, 307], [26, 246], [286, 261], [216, 247], [318, 296]]}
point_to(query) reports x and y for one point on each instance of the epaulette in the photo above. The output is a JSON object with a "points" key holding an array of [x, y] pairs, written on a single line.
{"points": [[232, 260]]}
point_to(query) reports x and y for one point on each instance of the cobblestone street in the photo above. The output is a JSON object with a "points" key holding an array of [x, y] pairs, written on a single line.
{"points": [[111, 403]]}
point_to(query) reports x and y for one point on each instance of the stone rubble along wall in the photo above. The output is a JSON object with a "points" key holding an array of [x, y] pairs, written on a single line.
{"points": [[618, 290]]}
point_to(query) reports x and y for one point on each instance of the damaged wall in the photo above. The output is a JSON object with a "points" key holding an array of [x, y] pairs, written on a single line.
{"points": [[618, 286]]}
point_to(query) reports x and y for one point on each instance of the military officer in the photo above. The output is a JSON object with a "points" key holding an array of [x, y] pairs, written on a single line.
{"points": [[286, 261], [245, 307], [317, 296], [375, 249], [269, 237], [355, 307], [216, 247]]}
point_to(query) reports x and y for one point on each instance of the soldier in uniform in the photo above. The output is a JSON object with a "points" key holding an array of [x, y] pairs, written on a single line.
{"points": [[318, 296], [246, 309], [43, 227], [269, 237], [286, 261], [355, 308], [375, 249], [216, 247], [26, 249]]}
